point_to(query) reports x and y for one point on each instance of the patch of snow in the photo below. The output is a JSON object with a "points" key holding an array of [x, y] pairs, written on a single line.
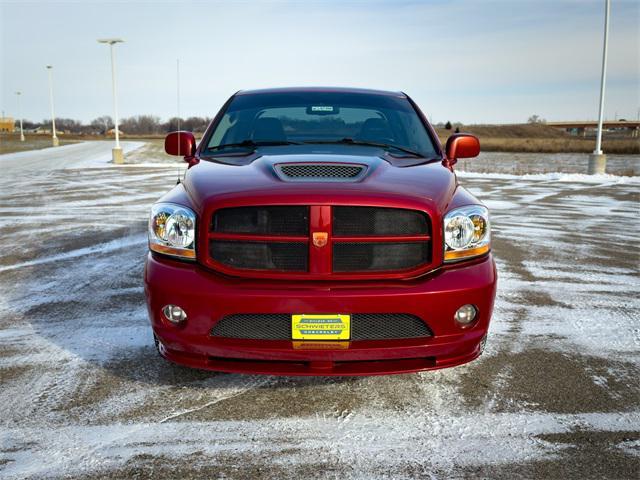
{"points": [[604, 178], [71, 147], [105, 159], [110, 246], [630, 447], [369, 442], [492, 204], [601, 381]]}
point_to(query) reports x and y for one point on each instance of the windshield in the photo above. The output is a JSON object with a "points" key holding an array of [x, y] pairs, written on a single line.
{"points": [[322, 117]]}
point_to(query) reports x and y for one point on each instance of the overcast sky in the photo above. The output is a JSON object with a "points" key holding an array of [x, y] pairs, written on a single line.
{"points": [[465, 60]]}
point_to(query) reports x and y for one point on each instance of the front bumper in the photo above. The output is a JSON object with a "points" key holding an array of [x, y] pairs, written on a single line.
{"points": [[207, 297]]}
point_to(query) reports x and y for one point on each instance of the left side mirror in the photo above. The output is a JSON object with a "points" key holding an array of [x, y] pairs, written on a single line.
{"points": [[462, 145], [180, 144]]}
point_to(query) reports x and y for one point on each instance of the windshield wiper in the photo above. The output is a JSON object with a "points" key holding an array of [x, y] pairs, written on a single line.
{"points": [[253, 144], [386, 146]]}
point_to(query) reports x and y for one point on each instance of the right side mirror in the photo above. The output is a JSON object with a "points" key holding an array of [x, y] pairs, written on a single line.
{"points": [[461, 145], [181, 144]]}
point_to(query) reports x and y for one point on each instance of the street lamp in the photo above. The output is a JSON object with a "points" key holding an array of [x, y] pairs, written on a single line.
{"points": [[20, 117], [117, 151], [597, 160], [54, 139]]}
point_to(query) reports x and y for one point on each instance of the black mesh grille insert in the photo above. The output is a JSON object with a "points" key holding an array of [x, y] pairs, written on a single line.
{"points": [[378, 221], [288, 256], [277, 220], [380, 326], [260, 326], [321, 171], [364, 326], [379, 256]]}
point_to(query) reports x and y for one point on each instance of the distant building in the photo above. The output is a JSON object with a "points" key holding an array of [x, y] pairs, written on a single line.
{"points": [[7, 124], [112, 132]]}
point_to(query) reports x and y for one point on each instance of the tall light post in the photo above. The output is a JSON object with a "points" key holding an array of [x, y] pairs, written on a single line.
{"points": [[597, 160], [117, 155], [20, 117], [54, 138]]}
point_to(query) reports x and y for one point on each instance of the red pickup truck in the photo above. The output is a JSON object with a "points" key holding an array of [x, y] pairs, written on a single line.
{"points": [[320, 231]]}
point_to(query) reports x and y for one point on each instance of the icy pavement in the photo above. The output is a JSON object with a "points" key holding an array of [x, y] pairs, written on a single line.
{"points": [[520, 163], [73, 155], [84, 395]]}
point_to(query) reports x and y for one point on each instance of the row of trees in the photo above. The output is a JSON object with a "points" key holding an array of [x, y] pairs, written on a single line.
{"points": [[150, 125], [137, 125], [533, 119]]}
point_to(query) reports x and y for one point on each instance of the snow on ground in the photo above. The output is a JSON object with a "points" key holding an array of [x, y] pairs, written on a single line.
{"points": [[75, 154], [84, 394], [555, 176], [521, 163]]}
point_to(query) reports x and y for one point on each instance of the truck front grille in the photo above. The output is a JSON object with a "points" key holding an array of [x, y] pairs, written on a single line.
{"points": [[378, 256], [364, 326], [378, 221], [279, 220], [284, 256], [280, 239]]}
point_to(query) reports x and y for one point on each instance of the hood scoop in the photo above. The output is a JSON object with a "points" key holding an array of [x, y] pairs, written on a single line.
{"points": [[320, 172]]}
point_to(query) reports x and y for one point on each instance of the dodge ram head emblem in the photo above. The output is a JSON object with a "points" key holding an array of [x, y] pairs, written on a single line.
{"points": [[320, 239]]}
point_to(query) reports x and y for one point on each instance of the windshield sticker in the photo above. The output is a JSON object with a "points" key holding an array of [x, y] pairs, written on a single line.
{"points": [[322, 108]]}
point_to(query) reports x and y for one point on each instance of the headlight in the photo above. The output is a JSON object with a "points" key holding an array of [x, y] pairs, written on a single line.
{"points": [[172, 230], [467, 233]]}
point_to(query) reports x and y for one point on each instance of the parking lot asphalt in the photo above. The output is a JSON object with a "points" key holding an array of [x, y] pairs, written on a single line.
{"points": [[83, 393]]}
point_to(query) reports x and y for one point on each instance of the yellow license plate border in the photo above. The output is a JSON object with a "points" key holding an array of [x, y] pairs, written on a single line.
{"points": [[344, 334]]}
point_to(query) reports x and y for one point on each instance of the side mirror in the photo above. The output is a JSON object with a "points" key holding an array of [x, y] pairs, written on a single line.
{"points": [[181, 144], [461, 145]]}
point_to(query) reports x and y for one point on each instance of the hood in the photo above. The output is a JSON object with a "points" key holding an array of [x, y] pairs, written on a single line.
{"points": [[264, 181]]}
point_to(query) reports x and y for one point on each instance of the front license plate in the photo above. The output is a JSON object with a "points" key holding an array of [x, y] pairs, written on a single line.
{"points": [[321, 327]]}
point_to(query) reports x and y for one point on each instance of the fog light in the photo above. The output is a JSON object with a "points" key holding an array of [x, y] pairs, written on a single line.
{"points": [[465, 315], [174, 313]]}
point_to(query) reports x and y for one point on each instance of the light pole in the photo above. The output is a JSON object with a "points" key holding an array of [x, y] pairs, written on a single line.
{"points": [[597, 160], [54, 139], [118, 157], [20, 117]]}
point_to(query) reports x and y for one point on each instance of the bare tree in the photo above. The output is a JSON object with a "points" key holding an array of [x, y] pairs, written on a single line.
{"points": [[102, 124], [174, 124], [536, 119], [63, 125], [191, 124], [196, 124], [29, 125], [141, 125], [137, 125]]}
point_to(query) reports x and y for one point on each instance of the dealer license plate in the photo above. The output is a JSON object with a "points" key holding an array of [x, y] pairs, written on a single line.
{"points": [[321, 327]]}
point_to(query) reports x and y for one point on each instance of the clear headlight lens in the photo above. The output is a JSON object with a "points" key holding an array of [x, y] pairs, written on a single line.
{"points": [[172, 230], [467, 233], [458, 232]]}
